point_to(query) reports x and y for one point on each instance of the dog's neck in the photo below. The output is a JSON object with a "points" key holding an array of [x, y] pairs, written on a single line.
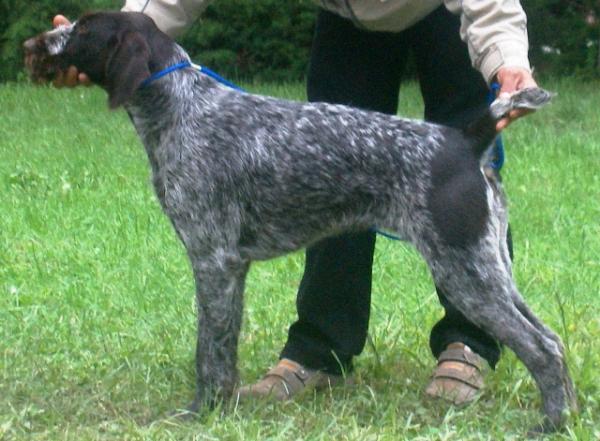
{"points": [[161, 104]]}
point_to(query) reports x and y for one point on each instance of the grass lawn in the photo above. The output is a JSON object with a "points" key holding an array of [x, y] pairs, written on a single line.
{"points": [[97, 324]]}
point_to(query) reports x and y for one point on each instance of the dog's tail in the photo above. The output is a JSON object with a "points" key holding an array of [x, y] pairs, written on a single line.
{"points": [[483, 130]]}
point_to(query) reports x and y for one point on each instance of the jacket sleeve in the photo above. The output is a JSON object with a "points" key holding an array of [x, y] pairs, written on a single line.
{"points": [[171, 16], [495, 32]]}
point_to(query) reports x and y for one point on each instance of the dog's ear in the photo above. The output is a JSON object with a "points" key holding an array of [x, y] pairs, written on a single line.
{"points": [[126, 67]]}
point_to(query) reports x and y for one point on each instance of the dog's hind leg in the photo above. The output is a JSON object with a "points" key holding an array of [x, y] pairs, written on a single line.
{"points": [[549, 334], [219, 279], [518, 301], [479, 284]]}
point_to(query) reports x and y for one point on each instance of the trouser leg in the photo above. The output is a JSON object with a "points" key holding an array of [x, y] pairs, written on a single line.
{"points": [[363, 69]]}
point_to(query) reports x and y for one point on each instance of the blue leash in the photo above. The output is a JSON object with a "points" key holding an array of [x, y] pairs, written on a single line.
{"points": [[497, 161], [217, 77]]}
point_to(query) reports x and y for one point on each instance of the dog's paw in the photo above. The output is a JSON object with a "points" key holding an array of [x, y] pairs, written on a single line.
{"points": [[547, 427], [188, 413]]}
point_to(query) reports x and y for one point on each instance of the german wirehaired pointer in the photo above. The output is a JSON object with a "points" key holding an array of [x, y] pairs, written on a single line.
{"points": [[245, 177]]}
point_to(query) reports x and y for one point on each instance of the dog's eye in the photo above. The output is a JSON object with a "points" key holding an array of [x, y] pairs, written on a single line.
{"points": [[82, 30]]}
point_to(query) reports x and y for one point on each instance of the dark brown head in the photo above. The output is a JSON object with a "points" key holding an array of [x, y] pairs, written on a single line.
{"points": [[117, 50]]}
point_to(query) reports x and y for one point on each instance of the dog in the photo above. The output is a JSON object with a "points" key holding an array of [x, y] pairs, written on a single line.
{"points": [[244, 177]]}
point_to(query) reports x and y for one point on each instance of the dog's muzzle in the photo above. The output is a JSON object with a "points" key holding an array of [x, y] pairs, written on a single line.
{"points": [[40, 65]]}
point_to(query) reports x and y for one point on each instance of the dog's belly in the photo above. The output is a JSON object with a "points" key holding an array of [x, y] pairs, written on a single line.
{"points": [[273, 230]]}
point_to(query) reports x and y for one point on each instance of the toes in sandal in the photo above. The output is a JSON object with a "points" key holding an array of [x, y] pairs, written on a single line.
{"points": [[458, 376], [287, 380]]}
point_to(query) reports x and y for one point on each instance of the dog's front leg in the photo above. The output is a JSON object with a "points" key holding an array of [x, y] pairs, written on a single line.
{"points": [[219, 281]]}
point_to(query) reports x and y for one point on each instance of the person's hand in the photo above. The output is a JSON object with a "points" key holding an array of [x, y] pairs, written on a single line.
{"points": [[70, 77], [510, 80]]}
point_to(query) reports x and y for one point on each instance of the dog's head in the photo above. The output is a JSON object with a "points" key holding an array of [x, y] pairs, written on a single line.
{"points": [[117, 50]]}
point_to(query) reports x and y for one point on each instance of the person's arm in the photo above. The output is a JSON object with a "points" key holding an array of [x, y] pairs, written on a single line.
{"points": [[496, 34], [171, 16]]}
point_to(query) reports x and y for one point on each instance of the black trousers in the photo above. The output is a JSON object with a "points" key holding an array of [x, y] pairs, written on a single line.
{"points": [[364, 69]]}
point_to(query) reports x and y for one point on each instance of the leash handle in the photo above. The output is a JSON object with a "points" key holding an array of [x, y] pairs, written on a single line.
{"points": [[498, 158]]}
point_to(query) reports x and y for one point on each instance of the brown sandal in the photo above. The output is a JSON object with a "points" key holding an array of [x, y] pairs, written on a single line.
{"points": [[286, 381], [458, 376]]}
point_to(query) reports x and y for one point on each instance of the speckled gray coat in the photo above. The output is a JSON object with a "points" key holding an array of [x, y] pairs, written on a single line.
{"points": [[245, 177]]}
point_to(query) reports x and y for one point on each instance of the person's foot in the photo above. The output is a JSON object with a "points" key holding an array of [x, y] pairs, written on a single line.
{"points": [[458, 376], [286, 381]]}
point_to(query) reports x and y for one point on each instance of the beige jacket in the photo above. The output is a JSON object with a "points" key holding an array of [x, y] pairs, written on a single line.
{"points": [[494, 30]]}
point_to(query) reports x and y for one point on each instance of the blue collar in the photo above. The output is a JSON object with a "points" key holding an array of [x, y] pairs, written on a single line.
{"points": [[161, 73]]}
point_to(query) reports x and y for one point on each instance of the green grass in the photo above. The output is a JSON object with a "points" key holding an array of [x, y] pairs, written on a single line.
{"points": [[97, 307]]}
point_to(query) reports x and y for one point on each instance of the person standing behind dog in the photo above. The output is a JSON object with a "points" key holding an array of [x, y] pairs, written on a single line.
{"points": [[358, 56]]}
